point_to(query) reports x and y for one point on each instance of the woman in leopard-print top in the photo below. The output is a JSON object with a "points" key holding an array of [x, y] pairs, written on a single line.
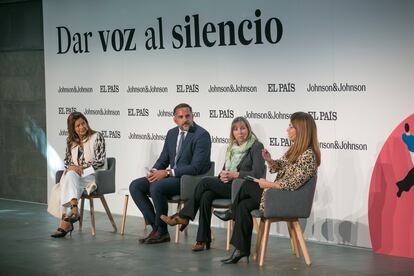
{"points": [[296, 167]]}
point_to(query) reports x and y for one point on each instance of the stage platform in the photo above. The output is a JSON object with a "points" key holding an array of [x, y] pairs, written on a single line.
{"points": [[28, 249]]}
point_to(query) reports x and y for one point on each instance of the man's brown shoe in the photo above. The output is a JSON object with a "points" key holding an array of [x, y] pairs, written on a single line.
{"points": [[174, 220], [143, 240], [157, 238], [199, 246]]}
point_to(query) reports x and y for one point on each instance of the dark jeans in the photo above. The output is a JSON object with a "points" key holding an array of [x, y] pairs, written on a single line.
{"points": [[141, 189], [208, 189], [247, 200]]}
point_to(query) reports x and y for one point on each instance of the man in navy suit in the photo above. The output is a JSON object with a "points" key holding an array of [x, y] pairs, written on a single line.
{"points": [[186, 150]]}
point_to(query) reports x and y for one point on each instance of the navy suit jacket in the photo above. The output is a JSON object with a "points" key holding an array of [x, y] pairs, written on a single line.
{"points": [[195, 155]]}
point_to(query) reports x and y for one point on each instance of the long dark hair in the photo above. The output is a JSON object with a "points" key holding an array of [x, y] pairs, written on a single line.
{"points": [[306, 136], [73, 138]]}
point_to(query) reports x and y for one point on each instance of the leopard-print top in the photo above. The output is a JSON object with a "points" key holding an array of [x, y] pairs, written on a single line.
{"points": [[293, 175]]}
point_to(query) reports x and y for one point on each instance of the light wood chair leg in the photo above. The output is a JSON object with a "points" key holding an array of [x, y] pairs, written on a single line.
{"points": [[293, 239], [124, 213], [255, 225], [212, 236], [259, 237], [82, 205], [145, 224], [177, 227], [108, 212], [229, 224], [186, 229], [92, 211], [265, 238], [302, 243]]}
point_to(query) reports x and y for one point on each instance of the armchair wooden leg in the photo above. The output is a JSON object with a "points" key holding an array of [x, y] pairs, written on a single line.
{"points": [[177, 227], [293, 239], [265, 238], [255, 225], [212, 236], [124, 213], [259, 237], [229, 224], [82, 205], [92, 211], [302, 243], [108, 212]]}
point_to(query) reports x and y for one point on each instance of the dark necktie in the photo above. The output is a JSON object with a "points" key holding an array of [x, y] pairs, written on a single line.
{"points": [[180, 145]]}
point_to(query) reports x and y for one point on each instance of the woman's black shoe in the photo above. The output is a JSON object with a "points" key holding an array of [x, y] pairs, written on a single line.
{"points": [[224, 215], [61, 233], [236, 257], [231, 256]]}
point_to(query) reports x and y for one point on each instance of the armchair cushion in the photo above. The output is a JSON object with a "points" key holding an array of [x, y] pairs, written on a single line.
{"points": [[221, 203], [105, 179], [189, 183], [289, 204]]}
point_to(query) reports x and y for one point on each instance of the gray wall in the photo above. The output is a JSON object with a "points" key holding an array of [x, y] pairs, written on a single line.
{"points": [[22, 102]]}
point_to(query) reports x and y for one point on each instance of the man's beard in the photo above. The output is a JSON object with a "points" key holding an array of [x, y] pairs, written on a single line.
{"points": [[186, 127]]}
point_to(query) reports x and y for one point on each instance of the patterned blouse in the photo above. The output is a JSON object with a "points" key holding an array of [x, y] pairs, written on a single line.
{"points": [[293, 175], [97, 162]]}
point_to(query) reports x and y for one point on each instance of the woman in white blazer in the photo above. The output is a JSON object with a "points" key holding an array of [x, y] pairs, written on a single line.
{"points": [[85, 153]]}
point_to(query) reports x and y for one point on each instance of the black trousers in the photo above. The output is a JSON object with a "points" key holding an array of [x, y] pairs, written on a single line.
{"points": [[247, 200], [208, 189]]}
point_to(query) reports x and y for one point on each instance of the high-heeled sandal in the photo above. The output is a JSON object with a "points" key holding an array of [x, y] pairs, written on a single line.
{"points": [[74, 217], [61, 233]]}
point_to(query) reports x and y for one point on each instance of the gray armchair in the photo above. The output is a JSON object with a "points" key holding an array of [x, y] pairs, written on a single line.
{"points": [[105, 181], [289, 206], [187, 187], [222, 203]]}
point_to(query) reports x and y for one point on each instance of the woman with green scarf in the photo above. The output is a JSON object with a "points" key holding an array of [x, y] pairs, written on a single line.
{"points": [[243, 158]]}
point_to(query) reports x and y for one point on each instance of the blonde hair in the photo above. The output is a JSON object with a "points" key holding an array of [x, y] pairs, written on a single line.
{"points": [[233, 124], [306, 137]]}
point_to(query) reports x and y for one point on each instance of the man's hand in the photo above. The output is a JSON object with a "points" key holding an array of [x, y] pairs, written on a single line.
{"points": [[157, 175]]}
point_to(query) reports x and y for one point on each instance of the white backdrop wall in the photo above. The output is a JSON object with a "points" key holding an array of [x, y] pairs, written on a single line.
{"points": [[358, 54]]}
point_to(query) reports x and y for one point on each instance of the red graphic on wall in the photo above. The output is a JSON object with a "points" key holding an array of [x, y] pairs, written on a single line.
{"points": [[391, 196]]}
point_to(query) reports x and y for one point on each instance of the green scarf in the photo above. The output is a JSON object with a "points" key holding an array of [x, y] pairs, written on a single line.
{"points": [[235, 153]]}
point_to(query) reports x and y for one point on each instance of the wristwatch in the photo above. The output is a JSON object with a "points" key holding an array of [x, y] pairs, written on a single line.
{"points": [[168, 173]]}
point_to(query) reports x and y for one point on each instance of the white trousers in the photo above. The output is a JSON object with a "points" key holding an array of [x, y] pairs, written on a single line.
{"points": [[72, 186]]}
